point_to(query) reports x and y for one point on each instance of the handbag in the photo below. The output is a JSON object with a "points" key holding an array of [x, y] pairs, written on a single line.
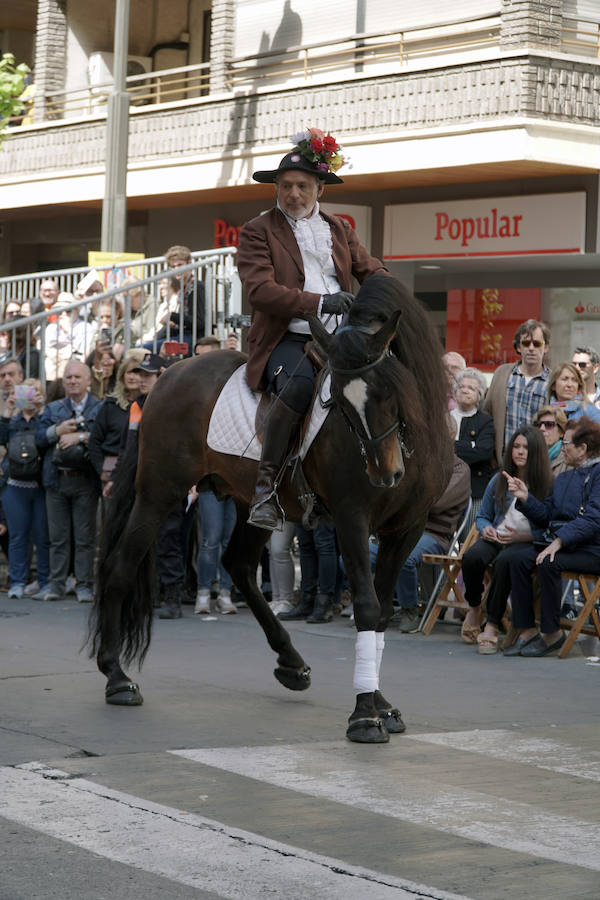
{"points": [[74, 457], [24, 462]]}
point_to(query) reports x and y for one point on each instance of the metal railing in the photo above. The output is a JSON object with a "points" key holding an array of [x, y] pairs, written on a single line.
{"points": [[316, 62], [582, 34], [163, 86], [360, 52], [46, 340]]}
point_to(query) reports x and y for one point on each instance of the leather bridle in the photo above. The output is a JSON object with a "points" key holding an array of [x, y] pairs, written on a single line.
{"points": [[370, 443]]}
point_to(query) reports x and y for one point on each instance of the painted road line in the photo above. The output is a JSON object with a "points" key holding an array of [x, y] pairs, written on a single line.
{"points": [[184, 847], [512, 747], [333, 772]]}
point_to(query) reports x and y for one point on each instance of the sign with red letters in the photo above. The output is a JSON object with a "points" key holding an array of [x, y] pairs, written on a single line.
{"points": [[494, 226]]}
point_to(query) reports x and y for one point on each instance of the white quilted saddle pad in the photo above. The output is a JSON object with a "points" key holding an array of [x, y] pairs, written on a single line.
{"points": [[231, 427]]}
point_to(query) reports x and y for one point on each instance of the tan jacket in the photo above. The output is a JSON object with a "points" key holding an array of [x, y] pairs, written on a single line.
{"points": [[270, 266]]}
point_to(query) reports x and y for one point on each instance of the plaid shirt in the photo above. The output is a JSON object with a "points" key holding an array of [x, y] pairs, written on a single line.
{"points": [[523, 399]]}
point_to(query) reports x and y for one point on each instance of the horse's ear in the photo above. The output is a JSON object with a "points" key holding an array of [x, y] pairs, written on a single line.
{"points": [[320, 333], [386, 334]]}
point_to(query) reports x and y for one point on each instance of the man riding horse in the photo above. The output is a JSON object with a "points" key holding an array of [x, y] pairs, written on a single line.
{"points": [[294, 261]]}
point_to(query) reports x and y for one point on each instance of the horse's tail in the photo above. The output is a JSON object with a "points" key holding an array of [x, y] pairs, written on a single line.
{"points": [[136, 607]]}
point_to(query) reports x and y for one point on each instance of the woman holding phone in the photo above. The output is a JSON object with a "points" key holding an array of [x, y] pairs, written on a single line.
{"points": [[23, 496]]}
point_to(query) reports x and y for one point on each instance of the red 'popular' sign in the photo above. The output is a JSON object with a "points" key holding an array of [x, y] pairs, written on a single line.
{"points": [[482, 227]]}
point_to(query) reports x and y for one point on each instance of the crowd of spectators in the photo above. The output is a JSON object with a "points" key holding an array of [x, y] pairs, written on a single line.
{"points": [[513, 442]]}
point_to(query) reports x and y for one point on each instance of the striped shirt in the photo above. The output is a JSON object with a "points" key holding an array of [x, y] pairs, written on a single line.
{"points": [[524, 396]]}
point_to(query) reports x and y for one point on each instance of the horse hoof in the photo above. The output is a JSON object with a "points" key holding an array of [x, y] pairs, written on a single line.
{"points": [[392, 720], [294, 679], [367, 731], [125, 693]]}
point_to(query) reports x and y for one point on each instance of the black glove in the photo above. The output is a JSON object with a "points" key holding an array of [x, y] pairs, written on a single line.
{"points": [[337, 304]]}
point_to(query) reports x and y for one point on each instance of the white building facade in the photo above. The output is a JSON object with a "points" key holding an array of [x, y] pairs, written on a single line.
{"points": [[472, 131]]}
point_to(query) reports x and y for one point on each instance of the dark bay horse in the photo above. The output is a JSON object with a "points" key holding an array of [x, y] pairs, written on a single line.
{"points": [[382, 457]]}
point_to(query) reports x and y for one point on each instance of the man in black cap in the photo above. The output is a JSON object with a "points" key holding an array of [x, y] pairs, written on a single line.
{"points": [[294, 261]]}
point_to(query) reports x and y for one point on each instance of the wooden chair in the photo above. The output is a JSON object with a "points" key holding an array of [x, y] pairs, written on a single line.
{"points": [[451, 564], [589, 585]]}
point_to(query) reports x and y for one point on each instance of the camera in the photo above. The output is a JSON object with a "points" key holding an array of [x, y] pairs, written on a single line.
{"points": [[106, 335]]}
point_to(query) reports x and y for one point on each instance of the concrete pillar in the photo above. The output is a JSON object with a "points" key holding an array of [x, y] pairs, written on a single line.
{"points": [[221, 43], [537, 23], [50, 53]]}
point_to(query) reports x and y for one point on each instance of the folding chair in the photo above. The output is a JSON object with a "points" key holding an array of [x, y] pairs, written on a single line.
{"points": [[579, 625], [451, 564]]}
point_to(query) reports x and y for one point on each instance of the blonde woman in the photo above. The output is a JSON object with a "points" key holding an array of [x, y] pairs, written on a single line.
{"points": [[113, 416]]}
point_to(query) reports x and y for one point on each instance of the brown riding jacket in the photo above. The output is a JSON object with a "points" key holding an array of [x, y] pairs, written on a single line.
{"points": [[272, 274]]}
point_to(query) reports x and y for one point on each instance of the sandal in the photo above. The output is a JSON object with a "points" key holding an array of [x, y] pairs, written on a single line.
{"points": [[469, 633], [487, 644]]}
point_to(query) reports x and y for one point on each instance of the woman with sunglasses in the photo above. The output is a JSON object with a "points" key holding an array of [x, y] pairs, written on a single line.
{"points": [[566, 389], [552, 422], [502, 530], [571, 519]]}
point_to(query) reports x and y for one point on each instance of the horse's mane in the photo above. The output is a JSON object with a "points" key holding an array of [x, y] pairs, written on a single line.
{"points": [[416, 344]]}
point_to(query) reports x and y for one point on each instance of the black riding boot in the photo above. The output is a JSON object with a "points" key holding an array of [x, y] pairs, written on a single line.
{"points": [[172, 601], [280, 425], [301, 610], [323, 611]]}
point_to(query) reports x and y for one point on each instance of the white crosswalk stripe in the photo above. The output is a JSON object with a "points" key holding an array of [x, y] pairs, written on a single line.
{"points": [[503, 744], [340, 774], [184, 847]]}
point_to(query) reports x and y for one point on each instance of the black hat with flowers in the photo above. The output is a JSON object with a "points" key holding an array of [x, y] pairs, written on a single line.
{"points": [[314, 152]]}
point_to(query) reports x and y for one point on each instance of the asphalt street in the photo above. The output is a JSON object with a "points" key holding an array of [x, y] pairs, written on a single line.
{"points": [[224, 784]]}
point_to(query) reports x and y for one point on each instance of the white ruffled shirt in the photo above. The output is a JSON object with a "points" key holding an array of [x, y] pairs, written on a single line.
{"points": [[313, 236]]}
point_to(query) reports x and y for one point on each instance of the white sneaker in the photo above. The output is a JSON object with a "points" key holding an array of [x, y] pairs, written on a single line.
{"points": [[224, 604], [202, 603], [31, 588], [281, 606], [15, 591], [71, 585]]}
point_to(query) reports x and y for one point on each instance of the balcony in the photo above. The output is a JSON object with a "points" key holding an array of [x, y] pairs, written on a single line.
{"points": [[390, 88]]}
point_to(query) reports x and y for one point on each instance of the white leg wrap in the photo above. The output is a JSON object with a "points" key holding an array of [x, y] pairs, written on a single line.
{"points": [[379, 646], [366, 678]]}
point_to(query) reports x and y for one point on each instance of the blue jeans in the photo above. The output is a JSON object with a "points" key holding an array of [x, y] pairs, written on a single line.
{"points": [[407, 586], [217, 518], [318, 559], [25, 510]]}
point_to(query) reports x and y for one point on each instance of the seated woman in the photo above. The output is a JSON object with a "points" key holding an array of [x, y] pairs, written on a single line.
{"points": [[571, 517], [474, 443], [566, 389], [502, 530], [552, 422]]}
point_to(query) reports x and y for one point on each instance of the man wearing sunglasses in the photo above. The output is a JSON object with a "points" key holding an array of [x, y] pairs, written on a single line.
{"points": [[518, 390], [587, 361]]}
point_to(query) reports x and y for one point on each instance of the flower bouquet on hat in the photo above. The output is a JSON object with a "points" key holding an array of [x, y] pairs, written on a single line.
{"points": [[320, 149]]}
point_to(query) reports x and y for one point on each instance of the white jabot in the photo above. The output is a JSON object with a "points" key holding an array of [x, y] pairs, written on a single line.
{"points": [[313, 236]]}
